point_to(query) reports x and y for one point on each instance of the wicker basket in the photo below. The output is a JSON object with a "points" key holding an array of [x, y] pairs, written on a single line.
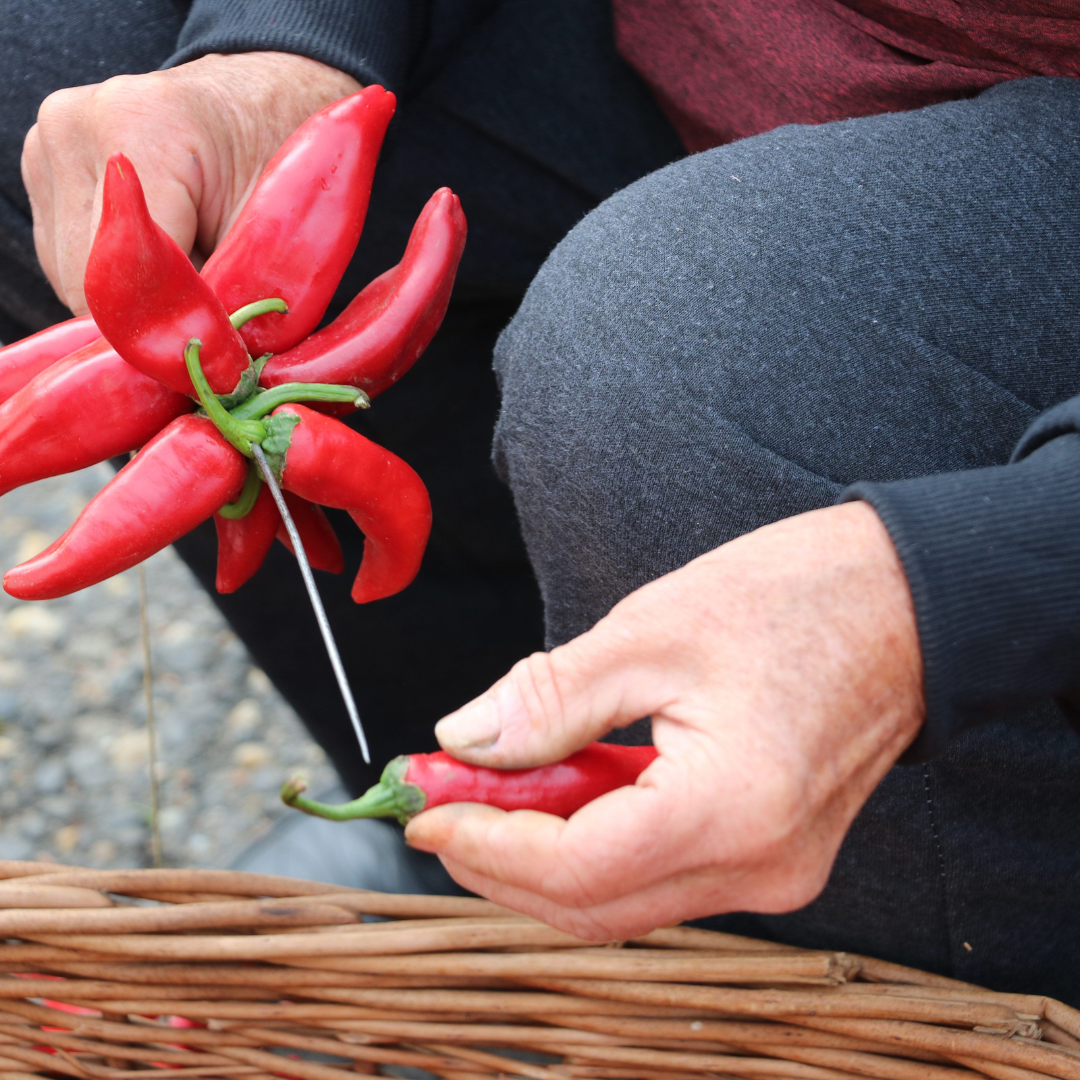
{"points": [[208, 973]]}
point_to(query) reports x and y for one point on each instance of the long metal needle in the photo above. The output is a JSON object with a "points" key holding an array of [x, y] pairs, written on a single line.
{"points": [[316, 600]]}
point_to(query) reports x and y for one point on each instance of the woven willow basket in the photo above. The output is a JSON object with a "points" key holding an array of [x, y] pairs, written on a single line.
{"points": [[109, 975]]}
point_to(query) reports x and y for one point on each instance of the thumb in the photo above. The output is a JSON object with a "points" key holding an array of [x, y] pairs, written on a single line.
{"points": [[551, 704]]}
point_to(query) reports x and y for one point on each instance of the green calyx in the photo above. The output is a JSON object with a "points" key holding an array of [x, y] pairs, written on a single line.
{"points": [[392, 797], [248, 384], [275, 446], [243, 416]]}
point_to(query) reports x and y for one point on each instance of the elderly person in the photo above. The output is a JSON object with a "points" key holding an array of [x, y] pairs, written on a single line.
{"points": [[787, 421]]}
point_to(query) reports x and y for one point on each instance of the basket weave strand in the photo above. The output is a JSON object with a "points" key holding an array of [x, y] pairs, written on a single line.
{"points": [[112, 975]]}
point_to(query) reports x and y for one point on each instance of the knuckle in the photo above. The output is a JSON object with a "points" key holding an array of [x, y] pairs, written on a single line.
{"points": [[537, 685], [124, 96], [31, 154], [122, 88], [58, 111]]}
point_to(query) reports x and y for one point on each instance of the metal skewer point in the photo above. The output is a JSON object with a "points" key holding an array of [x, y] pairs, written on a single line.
{"points": [[316, 600]]}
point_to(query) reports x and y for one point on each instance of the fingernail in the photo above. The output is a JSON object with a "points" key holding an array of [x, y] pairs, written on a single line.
{"points": [[472, 728]]}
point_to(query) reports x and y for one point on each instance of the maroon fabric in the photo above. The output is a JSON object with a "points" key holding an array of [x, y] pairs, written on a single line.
{"points": [[725, 69]]}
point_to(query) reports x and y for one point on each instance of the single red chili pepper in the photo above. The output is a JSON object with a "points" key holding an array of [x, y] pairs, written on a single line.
{"points": [[22, 360], [149, 300], [382, 333], [316, 534], [86, 408], [417, 782], [329, 464], [174, 483], [243, 543], [299, 228]]}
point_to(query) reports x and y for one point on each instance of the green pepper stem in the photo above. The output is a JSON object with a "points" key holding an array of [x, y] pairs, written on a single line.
{"points": [[241, 433], [249, 494], [266, 401], [259, 307], [378, 801], [392, 797]]}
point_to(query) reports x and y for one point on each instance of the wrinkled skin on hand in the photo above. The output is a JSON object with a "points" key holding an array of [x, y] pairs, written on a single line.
{"points": [[783, 676], [198, 134]]}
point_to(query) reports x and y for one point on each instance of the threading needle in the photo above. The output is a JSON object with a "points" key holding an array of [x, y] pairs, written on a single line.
{"points": [[316, 601]]}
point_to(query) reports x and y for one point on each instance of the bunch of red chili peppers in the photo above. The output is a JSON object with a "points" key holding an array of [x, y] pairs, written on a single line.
{"points": [[161, 365]]}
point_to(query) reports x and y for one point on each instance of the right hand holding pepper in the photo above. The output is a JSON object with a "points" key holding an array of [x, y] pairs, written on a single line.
{"points": [[783, 676], [199, 134]]}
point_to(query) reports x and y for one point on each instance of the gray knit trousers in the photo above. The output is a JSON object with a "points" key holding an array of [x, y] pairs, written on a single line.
{"points": [[736, 338]]}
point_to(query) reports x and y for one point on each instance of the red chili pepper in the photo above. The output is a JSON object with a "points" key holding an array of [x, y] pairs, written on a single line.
{"points": [[382, 333], [418, 782], [316, 534], [332, 465], [149, 300], [22, 360], [299, 228], [86, 408], [243, 543], [174, 483]]}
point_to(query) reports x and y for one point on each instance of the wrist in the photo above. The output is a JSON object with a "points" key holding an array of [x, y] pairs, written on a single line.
{"points": [[885, 618], [834, 634], [876, 631]]}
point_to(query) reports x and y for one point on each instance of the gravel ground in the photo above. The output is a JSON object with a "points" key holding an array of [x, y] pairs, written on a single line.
{"points": [[74, 776]]}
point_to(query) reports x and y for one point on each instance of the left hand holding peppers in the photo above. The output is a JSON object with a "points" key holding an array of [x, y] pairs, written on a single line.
{"points": [[169, 339], [783, 676], [199, 134]]}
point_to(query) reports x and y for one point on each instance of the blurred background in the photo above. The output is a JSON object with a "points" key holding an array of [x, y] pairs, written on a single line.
{"points": [[74, 777]]}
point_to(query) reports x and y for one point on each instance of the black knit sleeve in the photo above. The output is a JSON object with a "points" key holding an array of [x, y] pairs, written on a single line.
{"points": [[372, 40], [992, 557]]}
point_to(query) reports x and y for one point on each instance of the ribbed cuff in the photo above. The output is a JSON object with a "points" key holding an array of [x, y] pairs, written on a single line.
{"points": [[368, 39], [992, 557]]}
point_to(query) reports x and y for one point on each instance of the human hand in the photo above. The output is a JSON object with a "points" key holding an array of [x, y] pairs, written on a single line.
{"points": [[198, 134], [783, 675]]}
